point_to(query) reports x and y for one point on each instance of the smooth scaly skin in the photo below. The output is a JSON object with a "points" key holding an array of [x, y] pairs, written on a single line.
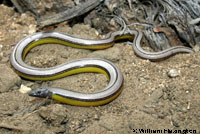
{"points": [[114, 75]]}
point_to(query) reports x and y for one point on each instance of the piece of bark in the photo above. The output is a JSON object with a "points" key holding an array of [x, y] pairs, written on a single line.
{"points": [[17, 5], [69, 14], [24, 5]]}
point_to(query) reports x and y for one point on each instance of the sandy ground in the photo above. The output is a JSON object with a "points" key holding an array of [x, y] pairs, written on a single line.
{"points": [[150, 100]]}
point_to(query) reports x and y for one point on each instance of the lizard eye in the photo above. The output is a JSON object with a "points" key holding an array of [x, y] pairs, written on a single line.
{"points": [[39, 92]]}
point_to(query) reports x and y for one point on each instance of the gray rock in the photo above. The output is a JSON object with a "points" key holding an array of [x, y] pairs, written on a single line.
{"points": [[56, 114], [156, 95], [8, 78]]}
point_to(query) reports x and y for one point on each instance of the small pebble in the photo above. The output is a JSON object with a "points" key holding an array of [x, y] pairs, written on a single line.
{"points": [[173, 73], [32, 29], [196, 48], [24, 89], [1, 46], [96, 117]]}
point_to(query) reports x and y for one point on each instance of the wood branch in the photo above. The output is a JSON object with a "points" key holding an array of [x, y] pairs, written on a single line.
{"points": [[69, 14], [17, 5], [24, 5]]}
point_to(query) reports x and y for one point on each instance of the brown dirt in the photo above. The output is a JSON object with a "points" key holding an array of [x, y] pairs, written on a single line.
{"points": [[150, 98]]}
